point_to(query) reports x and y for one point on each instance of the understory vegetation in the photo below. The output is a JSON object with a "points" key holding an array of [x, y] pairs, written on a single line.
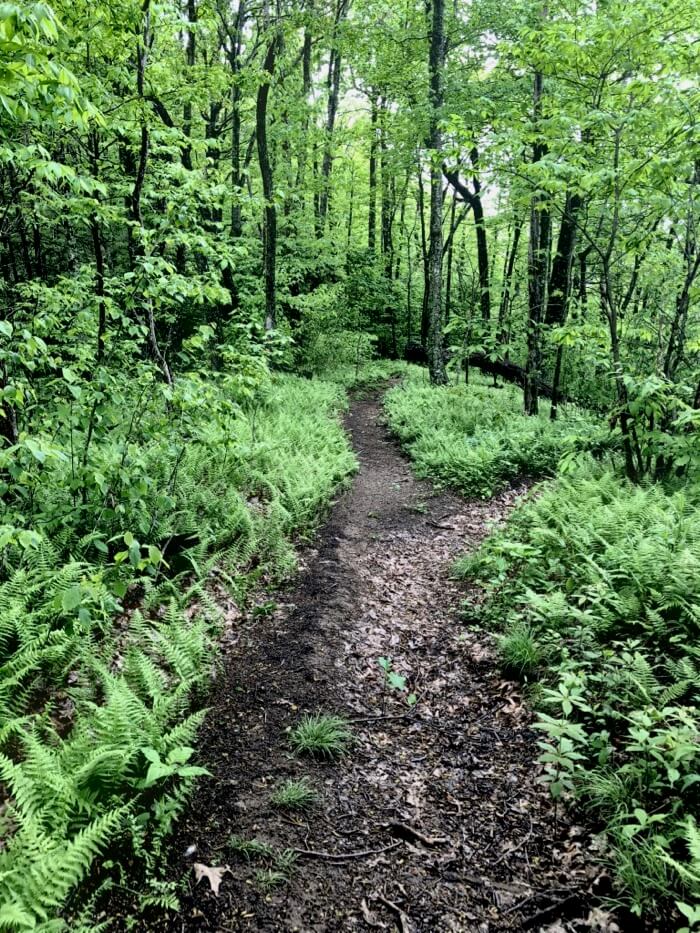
{"points": [[595, 585], [593, 590], [108, 638], [478, 440], [216, 217]]}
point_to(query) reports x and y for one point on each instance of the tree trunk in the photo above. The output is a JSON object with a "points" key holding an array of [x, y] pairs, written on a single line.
{"points": [[537, 271], [473, 199], [372, 223], [270, 214], [507, 288], [450, 253], [560, 284], [141, 58], [333, 85], [99, 254], [436, 359]]}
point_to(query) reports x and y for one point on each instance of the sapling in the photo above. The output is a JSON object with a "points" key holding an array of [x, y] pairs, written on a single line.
{"points": [[393, 681]]}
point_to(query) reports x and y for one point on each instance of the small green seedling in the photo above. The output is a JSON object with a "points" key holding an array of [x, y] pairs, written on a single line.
{"points": [[174, 765], [267, 878], [250, 849], [321, 736], [295, 795], [394, 681], [278, 868], [264, 610]]}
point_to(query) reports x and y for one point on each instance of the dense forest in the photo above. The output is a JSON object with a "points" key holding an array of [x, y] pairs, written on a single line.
{"points": [[224, 220]]}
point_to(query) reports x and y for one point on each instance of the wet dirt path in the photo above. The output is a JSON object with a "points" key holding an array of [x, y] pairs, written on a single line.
{"points": [[446, 799]]}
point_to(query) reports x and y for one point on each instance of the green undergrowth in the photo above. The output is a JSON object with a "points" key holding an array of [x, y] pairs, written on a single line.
{"points": [[476, 439], [107, 627], [594, 585], [369, 375]]}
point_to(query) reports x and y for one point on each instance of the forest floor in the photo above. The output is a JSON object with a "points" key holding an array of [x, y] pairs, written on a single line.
{"points": [[434, 821]]}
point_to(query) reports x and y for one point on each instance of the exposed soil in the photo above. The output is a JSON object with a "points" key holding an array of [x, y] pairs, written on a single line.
{"points": [[443, 795]]}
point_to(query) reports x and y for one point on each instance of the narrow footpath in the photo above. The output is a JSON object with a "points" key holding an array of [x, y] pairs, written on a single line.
{"points": [[434, 821]]}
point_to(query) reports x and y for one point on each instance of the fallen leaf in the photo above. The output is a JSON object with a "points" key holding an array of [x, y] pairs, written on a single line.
{"points": [[213, 875]]}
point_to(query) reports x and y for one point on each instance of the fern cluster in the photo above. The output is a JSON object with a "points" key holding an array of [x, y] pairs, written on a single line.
{"points": [[605, 579], [96, 702], [477, 439]]}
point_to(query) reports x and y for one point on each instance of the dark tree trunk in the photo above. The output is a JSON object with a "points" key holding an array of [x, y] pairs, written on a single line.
{"points": [[473, 199], [537, 273], [96, 234], [135, 205], [270, 215], [333, 85], [436, 359], [372, 223], [425, 255], [508, 285], [562, 264], [450, 253], [560, 285], [306, 90]]}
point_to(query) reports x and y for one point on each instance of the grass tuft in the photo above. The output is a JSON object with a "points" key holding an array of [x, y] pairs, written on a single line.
{"points": [[321, 736], [519, 651], [295, 795]]}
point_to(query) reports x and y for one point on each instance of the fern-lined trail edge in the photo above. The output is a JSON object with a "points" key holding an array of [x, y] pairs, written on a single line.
{"points": [[434, 819]]}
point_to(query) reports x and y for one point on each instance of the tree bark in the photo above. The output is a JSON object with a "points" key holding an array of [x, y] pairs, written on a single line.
{"points": [[372, 222], [270, 213], [143, 46], [473, 199], [537, 271], [333, 85], [96, 234], [436, 359]]}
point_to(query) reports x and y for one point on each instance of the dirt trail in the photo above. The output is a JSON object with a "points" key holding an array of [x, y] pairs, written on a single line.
{"points": [[451, 786]]}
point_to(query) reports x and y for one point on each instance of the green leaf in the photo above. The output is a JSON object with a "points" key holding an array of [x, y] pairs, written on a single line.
{"points": [[71, 599]]}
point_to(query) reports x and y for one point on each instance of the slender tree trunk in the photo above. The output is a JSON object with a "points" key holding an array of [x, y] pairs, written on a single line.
{"points": [[473, 199], [141, 58], [305, 90], [560, 285], [425, 257], [436, 360], [537, 271], [409, 294], [348, 241], [333, 85], [507, 289], [96, 234], [372, 223], [450, 253], [270, 214]]}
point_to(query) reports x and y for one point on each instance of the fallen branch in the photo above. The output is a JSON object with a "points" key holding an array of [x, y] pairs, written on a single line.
{"points": [[344, 856], [553, 912], [409, 834], [405, 924], [359, 719], [523, 842]]}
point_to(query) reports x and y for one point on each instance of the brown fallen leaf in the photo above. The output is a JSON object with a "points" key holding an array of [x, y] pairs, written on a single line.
{"points": [[370, 918], [214, 875]]}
